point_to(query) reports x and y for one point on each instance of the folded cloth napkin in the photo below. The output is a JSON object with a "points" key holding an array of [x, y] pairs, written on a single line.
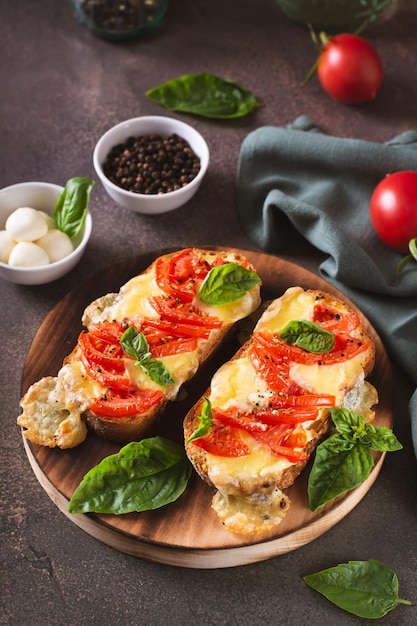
{"points": [[296, 180]]}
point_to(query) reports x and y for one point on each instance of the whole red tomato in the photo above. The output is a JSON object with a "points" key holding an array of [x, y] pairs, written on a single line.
{"points": [[393, 210], [350, 69]]}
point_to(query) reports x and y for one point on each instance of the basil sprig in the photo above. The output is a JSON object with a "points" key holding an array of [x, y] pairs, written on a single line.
{"points": [[142, 476], [206, 422], [72, 206], [308, 335], [344, 460], [206, 95], [367, 589], [135, 345], [226, 283]]}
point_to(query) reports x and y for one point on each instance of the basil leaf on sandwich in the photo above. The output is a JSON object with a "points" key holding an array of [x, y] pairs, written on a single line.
{"points": [[134, 344], [308, 335], [205, 422], [226, 283]]}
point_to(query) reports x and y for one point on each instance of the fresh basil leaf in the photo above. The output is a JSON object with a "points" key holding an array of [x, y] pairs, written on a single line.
{"points": [[134, 344], [206, 422], [226, 283], [339, 466], [72, 206], [308, 335], [348, 423], [206, 95], [382, 439], [351, 425], [367, 589], [142, 476], [157, 371], [344, 460]]}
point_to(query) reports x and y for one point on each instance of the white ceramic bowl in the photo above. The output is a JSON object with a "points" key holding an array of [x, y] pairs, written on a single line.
{"points": [[141, 126], [41, 196]]}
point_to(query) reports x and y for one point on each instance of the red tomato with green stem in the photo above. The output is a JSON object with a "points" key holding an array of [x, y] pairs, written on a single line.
{"points": [[393, 210], [349, 68]]}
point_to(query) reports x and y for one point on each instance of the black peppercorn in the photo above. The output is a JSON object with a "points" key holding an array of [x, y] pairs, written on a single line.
{"points": [[151, 164]]}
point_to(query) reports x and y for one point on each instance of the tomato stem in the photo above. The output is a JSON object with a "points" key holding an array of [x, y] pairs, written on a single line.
{"points": [[412, 246], [321, 42], [311, 73]]}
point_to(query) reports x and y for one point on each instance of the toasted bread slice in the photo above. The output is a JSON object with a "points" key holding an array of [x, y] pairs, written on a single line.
{"points": [[87, 385], [249, 496]]}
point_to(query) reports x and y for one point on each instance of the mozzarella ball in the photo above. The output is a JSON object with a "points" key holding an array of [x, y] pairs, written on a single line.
{"points": [[7, 244], [28, 254], [56, 244], [26, 224], [50, 221]]}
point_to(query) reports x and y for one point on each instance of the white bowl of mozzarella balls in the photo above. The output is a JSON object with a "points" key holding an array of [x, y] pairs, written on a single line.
{"points": [[33, 249]]}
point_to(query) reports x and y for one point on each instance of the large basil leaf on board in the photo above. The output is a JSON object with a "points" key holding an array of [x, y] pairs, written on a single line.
{"points": [[344, 460], [142, 476], [206, 95]]}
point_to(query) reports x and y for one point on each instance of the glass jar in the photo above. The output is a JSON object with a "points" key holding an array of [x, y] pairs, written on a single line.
{"points": [[333, 15], [118, 20]]}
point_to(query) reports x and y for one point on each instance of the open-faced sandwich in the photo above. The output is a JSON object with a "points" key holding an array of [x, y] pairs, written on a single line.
{"points": [[267, 408], [139, 346]]}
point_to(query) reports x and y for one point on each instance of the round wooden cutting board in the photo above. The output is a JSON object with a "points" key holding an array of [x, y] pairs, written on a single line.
{"points": [[186, 533]]}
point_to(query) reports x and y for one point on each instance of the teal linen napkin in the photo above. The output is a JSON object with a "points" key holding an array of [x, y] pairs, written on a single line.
{"points": [[296, 180]]}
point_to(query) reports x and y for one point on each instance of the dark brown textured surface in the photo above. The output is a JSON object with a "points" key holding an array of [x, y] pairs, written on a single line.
{"points": [[60, 89]]}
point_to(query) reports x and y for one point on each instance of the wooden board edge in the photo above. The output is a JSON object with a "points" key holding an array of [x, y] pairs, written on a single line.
{"points": [[203, 559]]}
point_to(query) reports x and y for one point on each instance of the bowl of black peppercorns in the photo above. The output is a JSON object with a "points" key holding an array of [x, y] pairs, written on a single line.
{"points": [[151, 164]]}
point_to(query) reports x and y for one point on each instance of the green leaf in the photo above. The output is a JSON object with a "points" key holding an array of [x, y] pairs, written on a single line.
{"points": [[142, 476], [351, 425], [367, 589], [226, 283], [344, 461], [348, 423], [206, 422], [339, 466], [206, 95], [308, 335], [382, 439], [72, 206], [134, 344]]}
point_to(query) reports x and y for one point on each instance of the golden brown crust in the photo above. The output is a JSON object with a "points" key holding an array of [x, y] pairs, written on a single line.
{"points": [[197, 456], [124, 429]]}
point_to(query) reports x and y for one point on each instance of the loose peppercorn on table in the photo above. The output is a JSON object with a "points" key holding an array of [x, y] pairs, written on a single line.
{"points": [[62, 88]]}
